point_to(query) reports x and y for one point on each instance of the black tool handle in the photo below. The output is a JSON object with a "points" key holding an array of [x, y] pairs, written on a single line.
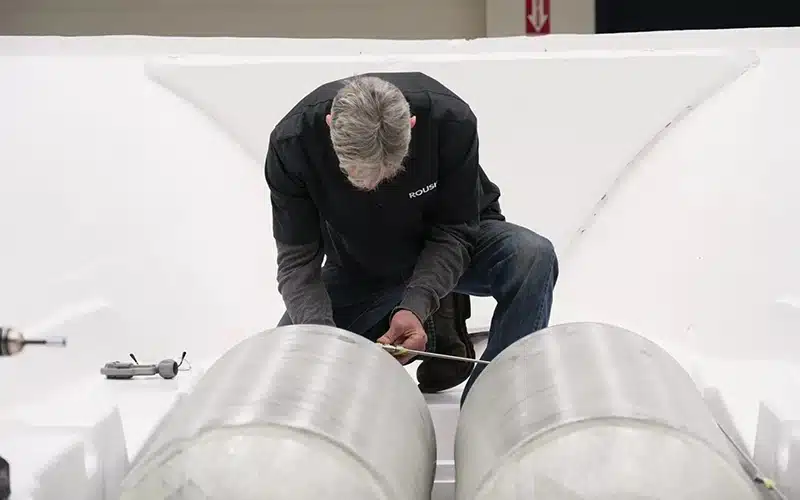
{"points": [[5, 479]]}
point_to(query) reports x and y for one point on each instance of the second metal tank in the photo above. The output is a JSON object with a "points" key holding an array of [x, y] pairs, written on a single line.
{"points": [[590, 411]]}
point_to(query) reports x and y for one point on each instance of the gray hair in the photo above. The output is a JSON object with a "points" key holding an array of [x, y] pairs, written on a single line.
{"points": [[370, 130]]}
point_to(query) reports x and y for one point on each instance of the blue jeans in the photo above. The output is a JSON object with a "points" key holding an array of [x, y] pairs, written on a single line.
{"points": [[513, 264]]}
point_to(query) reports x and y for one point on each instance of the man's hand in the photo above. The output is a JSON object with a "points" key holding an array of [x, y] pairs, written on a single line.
{"points": [[405, 330]]}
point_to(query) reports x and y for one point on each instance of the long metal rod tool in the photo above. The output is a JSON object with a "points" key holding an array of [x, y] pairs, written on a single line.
{"points": [[13, 342], [754, 471], [401, 351]]}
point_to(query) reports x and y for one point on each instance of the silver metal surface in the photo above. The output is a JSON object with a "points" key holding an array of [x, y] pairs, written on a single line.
{"points": [[12, 342], [591, 411], [294, 413]]}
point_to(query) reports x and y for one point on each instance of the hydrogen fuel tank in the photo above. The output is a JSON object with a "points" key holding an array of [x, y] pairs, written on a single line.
{"points": [[293, 413], [589, 411]]}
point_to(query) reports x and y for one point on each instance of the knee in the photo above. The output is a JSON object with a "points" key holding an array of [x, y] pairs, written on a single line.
{"points": [[534, 254]]}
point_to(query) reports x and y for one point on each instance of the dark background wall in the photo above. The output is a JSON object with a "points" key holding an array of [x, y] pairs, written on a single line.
{"points": [[615, 16]]}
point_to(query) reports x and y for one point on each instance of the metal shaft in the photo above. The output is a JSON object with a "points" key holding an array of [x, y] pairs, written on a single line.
{"points": [[400, 351], [12, 342], [754, 471]]}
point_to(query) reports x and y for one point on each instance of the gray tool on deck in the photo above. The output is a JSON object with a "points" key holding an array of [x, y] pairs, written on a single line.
{"points": [[119, 370]]}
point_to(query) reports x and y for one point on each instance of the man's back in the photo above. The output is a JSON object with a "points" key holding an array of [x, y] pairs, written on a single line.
{"points": [[377, 233]]}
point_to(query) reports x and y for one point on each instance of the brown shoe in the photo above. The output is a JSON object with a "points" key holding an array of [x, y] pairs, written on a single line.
{"points": [[449, 325]]}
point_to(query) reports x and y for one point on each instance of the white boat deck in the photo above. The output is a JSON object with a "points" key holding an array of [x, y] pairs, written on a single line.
{"points": [[661, 165]]}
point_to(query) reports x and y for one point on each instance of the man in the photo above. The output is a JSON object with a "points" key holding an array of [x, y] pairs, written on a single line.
{"points": [[379, 174]]}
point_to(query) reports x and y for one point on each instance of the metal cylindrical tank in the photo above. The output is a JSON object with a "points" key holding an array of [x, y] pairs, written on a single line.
{"points": [[294, 413], [588, 411]]}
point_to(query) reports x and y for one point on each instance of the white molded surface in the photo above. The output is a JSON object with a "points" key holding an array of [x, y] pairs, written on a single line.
{"points": [[135, 222]]}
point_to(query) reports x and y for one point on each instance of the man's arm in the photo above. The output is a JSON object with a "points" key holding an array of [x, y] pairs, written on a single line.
{"points": [[450, 241], [296, 228]]}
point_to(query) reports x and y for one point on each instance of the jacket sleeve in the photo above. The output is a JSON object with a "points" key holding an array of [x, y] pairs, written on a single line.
{"points": [[296, 229], [452, 234]]}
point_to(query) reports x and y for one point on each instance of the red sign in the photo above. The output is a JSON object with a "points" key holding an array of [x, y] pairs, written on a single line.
{"points": [[537, 17]]}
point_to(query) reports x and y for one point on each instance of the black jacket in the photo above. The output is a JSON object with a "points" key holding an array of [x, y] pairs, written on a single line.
{"points": [[418, 228]]}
